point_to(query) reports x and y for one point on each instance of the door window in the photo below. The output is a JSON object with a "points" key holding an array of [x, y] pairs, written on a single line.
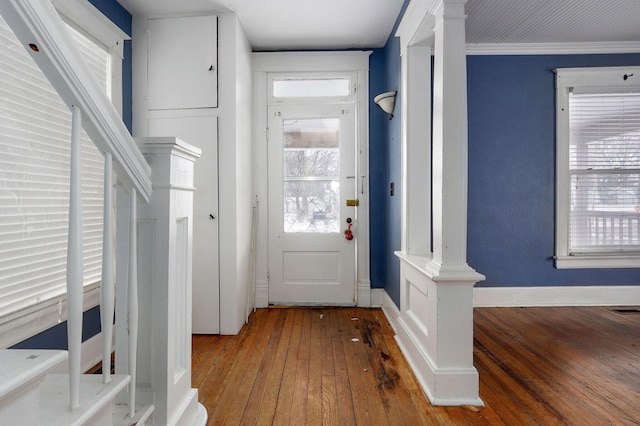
{"points": [[311, 183]]}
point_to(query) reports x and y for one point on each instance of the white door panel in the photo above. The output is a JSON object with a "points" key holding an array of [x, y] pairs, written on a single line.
{"points": [[312, 167]]}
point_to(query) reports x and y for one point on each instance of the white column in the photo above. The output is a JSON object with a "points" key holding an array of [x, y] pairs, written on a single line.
{"points": [[165, 228], [450, 136], [107, 289], [75, 264], [416, 150], [435, 325]]}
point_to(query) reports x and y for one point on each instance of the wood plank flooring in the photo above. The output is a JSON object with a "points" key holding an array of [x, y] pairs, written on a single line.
{"points": [[342, 366]]}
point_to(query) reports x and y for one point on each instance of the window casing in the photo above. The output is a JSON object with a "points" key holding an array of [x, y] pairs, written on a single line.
{"points": [[34, 171], [598, 168]]}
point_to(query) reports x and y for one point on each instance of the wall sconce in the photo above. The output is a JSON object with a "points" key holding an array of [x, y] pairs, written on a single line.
{"points": [[386, 101]]}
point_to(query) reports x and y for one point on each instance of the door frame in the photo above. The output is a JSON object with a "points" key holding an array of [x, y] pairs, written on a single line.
{"points": [[318, 63]]}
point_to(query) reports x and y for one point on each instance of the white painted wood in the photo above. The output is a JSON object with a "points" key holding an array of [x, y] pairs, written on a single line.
{"points": [[416, 150], [132, 299], [266, 64], [556, 296], [96, 400], [590, 48], [21, 372], [435, 319], [75, 276], [36, 21], [435, 333], [312, 267], [166, 223], [200, 129], [107, 300], [182, 52], [235, 153]]}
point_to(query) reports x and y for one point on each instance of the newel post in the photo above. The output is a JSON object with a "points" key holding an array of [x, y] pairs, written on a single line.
{"points": [[165, 238]]}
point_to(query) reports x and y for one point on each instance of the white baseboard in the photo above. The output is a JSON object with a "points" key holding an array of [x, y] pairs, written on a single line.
{"points": [[262, 294], [556, 296], [363, 289], [390, 309], [377, 297]]}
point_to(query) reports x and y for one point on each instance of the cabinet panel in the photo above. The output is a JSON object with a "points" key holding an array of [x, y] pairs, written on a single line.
{"points": [[202, 132], [182, 63]]}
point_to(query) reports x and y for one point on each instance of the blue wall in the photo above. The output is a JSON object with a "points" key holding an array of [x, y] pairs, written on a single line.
{"points": [[56, 337], [511, 107], [384, 167]]}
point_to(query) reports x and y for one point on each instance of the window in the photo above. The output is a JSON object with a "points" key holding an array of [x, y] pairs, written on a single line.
{"points": [[330, 87], [598, 168], [35, 129]]}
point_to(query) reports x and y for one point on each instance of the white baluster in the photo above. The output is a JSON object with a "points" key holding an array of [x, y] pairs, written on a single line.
{"points": [[107, 295], [75, 270], [133, 302]]}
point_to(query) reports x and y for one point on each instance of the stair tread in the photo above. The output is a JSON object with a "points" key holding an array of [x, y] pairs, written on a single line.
{"points": [[94, 395], [21, 366]]}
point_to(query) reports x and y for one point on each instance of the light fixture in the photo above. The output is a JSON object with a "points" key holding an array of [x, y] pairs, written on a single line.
{"points": [[386, 101]]}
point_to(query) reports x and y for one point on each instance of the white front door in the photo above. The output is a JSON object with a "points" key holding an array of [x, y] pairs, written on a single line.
{"points": [[312, 174]]}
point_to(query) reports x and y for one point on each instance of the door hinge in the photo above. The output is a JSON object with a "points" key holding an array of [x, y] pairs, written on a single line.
{"points": [[267, 134], [268, 276]]}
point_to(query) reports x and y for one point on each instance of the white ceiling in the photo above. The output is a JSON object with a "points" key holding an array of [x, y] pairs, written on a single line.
{"points": [[339, 24], [294, 24]]}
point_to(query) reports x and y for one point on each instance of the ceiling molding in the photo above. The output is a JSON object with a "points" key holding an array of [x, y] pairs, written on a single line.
{"points": [[552, 48]]}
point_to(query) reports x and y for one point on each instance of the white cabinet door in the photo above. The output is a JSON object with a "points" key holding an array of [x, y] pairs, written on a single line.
{"points": [[182, 63], [202, 132]]}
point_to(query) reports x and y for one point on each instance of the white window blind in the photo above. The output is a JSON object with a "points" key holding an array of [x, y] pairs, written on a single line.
{"points": [[35, 129], [604, 169]]}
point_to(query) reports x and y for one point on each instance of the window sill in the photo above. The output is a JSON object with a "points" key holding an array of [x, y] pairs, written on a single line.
{"points": [[598, 261], [23, 326]]}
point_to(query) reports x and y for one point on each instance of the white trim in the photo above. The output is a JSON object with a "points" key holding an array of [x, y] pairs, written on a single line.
{"points": [[317, 62], [552, 48], [556, 296], [390, 309], [85, 16], [378, 298], [262, 294], [264, 66], [25, 326], [584, 80], [363, 293], [597, 261]]}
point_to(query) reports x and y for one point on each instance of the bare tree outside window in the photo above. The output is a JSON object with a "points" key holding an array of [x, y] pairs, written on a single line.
{"points": [[311, 175]]}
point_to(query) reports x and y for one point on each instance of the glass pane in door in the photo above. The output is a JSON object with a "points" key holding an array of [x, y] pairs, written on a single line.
{"points": [[311, 170]]}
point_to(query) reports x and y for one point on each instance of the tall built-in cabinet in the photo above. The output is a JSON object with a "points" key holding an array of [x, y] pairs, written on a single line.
{"points": [[175, 93]]}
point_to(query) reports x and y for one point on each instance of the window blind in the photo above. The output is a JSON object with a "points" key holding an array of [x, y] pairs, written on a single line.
{"points": [[35, 133], [605, 172]]}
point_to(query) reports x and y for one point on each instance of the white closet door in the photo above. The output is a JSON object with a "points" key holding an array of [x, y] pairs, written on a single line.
{"points": [[182, 63]]}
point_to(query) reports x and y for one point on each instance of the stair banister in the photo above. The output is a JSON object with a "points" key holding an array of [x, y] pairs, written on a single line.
{"points": [[107, 287], [75, 261], [133, 300]]}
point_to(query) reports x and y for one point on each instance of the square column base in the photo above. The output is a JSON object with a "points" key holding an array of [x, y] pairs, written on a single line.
{"points": [[435, 330]]}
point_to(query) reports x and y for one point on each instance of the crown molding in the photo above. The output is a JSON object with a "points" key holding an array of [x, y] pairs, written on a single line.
{"points": [[552, 48]]}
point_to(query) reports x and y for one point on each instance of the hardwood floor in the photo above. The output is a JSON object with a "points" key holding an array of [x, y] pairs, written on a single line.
{"points": [[304, 366]]}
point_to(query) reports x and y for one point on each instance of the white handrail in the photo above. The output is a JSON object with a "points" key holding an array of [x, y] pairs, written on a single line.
{"points": [[133, 301], [75, 261], [107, 289]]}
